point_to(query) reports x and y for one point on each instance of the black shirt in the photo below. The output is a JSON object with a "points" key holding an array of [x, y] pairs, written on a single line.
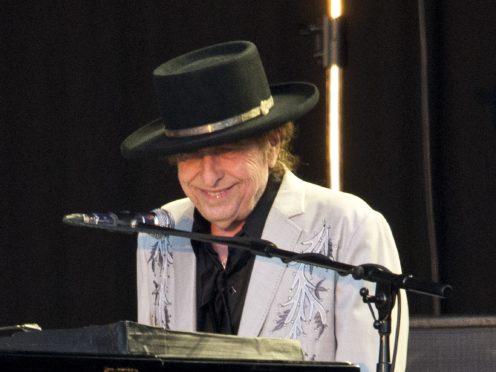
{"points": [[221, 292]]}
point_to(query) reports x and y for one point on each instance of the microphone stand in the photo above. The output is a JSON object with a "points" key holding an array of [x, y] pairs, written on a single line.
{"points": [[387, 283]]}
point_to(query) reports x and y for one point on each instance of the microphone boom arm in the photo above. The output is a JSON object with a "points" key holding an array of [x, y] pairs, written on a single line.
{"points": [[261, 247]]}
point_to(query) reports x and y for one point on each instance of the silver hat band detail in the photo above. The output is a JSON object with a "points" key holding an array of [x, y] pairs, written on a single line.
{"points": [[263, 109]]}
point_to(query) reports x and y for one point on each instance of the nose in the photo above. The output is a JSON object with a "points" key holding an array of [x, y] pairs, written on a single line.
{"points": [[211, 170]]}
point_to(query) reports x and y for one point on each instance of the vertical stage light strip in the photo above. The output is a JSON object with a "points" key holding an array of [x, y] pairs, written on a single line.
{"points": [[333, 97], [334, 125]]}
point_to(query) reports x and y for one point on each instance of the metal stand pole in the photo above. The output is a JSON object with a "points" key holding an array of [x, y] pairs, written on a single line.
{"points": [[384, 299]]}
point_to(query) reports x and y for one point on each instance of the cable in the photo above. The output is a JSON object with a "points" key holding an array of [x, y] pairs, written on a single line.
{"points": [[426, 152], [397, 332]]}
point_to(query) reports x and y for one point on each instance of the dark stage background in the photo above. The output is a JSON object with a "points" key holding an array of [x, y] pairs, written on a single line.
{"points": [[76, 80]]}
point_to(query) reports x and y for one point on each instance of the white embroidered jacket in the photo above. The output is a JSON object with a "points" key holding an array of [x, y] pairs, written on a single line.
{"points": [[314, 305]]}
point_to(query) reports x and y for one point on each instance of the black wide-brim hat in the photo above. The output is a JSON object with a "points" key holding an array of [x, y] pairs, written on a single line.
{"points": [[216, 95]]}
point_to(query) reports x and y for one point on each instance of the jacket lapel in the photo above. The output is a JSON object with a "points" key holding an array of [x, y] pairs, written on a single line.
{"points": [[268, 272]]}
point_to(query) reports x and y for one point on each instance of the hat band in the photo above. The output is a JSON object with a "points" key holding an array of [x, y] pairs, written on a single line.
{"points": [[263, 109]]}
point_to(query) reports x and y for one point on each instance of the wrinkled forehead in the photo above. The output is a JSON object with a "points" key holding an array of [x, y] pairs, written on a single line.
{"points": [[238, 145], [241, 146]]}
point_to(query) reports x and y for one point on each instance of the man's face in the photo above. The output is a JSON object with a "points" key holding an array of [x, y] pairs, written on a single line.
{"points": [[225, 182]]}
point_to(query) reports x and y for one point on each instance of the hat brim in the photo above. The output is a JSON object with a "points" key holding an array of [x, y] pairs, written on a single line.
{"points": [[291, 101]]}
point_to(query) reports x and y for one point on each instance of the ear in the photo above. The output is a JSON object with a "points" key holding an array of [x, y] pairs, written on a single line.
{"points": [[273, 150]]}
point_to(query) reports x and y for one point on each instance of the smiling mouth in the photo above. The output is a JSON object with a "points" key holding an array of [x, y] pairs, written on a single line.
{"points": [[217, 194]]}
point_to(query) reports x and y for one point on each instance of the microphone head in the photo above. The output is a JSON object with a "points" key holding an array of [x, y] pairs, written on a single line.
{"points": [[163, 218]]}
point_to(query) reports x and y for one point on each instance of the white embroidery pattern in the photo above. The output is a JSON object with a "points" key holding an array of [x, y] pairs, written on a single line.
{"points": [[304, 302], [160, 260]]}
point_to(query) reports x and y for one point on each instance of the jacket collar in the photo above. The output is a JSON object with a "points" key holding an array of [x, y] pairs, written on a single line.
{"points": [[267, 274]]}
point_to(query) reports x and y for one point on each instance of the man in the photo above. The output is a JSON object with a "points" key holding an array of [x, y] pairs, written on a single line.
{"points": [[228, 132]]}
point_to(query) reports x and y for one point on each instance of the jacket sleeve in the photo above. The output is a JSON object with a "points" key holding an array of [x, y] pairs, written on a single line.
{"points": [[369, 241]]}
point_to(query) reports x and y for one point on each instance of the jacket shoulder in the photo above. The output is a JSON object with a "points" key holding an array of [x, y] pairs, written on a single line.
{"points": [[325, 199]]}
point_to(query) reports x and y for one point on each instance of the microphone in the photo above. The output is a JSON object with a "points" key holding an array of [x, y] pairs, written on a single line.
{"points": [[123, 221]]}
